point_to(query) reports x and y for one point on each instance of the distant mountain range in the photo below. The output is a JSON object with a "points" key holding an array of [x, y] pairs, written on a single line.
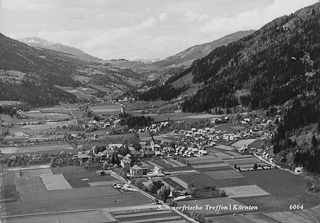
{"points": [[186, 57], [41, 43]]}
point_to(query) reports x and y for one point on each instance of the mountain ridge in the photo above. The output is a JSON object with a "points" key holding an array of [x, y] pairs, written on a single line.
{"points": [[186, 57], [42, 43]]}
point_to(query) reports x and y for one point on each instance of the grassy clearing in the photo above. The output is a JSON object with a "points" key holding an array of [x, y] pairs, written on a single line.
{"points": [[224, 174]]}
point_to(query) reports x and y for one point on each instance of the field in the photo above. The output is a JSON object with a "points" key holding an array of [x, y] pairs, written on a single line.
{"points": [[39, 194], [285, 189], [48, 125], [106, 108], [223, 174], [36, 148], [198, 180], [244, 191], [41, 115], [203, 160], [243, 142], [147, 215]]}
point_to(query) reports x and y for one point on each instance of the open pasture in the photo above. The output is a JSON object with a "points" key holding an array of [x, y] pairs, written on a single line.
{"points": [[36, 148], [180, 182], [72, 199], [148, 215], [55, 182], [231, 153], [45, 115], [223, 155], [47, 125], [278, 182], [290, 216], [224, 174], [176, 162], [58, 109], [242, 161], [106, 108], [236, 219], [244, 191], [160, 163], [8, 190], [78, 177], [169, 163], [210, 165], [31, 171], [182, 169], [198, 180], [30, 184], [72, 217], [203, 160], [217, 168]]}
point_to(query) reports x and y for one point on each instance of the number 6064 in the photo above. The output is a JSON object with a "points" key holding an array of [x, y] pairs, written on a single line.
{"points": [[296, 206]]}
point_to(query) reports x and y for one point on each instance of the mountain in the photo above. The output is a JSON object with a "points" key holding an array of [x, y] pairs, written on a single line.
{"points": [[41, 43], [271, 66], [45, 77], [186, 57]]}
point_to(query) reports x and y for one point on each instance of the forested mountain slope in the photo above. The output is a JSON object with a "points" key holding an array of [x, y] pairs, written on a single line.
{"points": [[276, 63]]}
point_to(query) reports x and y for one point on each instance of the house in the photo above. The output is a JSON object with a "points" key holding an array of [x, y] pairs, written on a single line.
{"points": [[115, 146], [137, 171]]}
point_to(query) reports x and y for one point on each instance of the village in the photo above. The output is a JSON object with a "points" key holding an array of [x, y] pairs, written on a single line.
{"points": [[202, 160]]}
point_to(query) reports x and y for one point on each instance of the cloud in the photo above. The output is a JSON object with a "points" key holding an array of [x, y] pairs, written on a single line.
{"points": [[163, 16], [24, 5], [149, 22], [195, 16], [253, 19]]}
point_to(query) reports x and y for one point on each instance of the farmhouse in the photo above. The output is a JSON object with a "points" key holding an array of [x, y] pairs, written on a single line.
{"points": [[137, 171]]}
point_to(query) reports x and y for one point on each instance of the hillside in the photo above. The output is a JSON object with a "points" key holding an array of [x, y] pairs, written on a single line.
{"points": [[269, 67], [41, 43], [186, 57], [45, 77]]}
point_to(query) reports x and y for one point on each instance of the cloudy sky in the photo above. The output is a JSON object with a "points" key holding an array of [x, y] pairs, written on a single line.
{"points": [[130, 29]]}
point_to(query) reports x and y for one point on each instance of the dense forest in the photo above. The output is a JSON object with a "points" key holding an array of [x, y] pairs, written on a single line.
{"points": [[275, 64], [135, 121], [164, 92]]}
